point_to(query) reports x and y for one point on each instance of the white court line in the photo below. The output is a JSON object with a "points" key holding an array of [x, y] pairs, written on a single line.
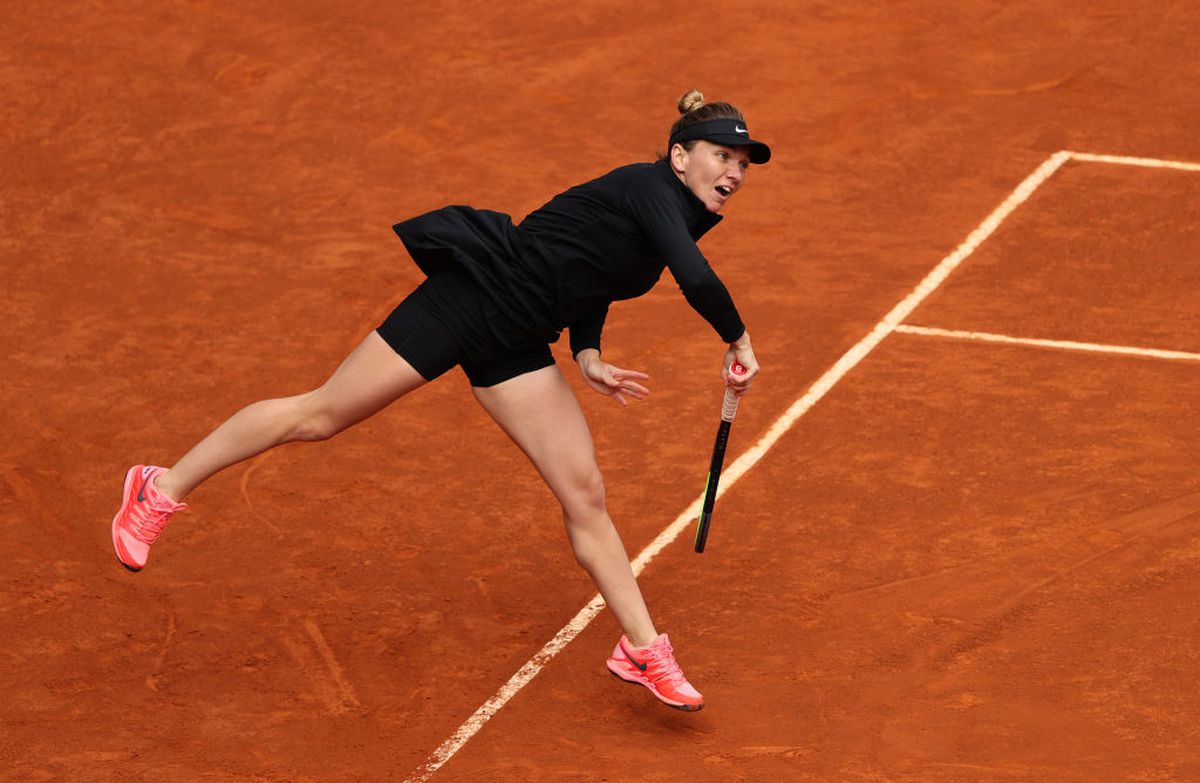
{"points": [[1123, 160], [1068, 345], [856, 354]]}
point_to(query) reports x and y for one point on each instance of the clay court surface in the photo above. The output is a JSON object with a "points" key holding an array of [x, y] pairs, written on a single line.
{"points": [[968, 561]]}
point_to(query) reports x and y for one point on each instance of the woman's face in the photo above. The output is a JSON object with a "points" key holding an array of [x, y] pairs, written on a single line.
{"points": [[713, 172]]}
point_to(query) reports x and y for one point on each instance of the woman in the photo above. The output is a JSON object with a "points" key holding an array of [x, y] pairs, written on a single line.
{"points": [[493, 299]]}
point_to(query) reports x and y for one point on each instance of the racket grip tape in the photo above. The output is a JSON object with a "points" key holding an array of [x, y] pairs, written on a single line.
{"points": [[729, 405]]}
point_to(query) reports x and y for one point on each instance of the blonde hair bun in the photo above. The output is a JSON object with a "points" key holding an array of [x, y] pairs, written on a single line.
{"points": [[692, 99]]}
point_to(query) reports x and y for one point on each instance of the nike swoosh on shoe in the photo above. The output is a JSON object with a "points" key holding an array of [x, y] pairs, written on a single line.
{"points": [[641, 666]]}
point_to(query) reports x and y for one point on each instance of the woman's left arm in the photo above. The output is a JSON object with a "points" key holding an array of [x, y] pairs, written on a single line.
{"points": [[585, 331]]}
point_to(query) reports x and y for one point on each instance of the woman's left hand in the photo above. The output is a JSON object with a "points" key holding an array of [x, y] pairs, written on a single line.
{"points": [[610, 380]]}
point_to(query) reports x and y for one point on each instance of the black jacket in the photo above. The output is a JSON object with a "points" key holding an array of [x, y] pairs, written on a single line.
{"points": [[603, 241]]}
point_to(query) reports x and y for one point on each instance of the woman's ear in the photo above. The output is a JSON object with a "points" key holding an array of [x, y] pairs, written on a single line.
{"points": [[678, 157]]}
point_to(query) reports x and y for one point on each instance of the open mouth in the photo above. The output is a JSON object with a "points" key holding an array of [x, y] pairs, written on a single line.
{"points": [[725, 191]]}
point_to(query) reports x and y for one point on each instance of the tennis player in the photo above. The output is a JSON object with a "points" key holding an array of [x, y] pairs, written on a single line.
{"points": [[495, 296]]}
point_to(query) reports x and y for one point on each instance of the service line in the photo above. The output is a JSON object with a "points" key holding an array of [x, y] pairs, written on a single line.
{"points": [[1124, 160], [1068, 345], [734, 472]]}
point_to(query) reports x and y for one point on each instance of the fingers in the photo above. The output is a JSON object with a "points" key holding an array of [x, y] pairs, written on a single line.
{"points": [[616, 382], [633, 390], [618, 392], [623, 374], [619, 382], [740, 381]]}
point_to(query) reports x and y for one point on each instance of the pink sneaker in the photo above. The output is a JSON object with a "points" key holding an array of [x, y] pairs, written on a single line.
{"points": [[655, 667], [143, 515]]}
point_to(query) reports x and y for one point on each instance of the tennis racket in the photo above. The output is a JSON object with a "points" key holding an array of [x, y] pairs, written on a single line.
{"points": [[728, 410]]}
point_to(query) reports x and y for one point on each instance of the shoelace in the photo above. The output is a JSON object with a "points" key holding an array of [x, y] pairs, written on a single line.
{"points": [[662, 661], [149, 520]]}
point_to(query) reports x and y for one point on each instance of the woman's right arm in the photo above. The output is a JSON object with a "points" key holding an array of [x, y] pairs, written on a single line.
{"points": [[656, 209], [700, 285]]}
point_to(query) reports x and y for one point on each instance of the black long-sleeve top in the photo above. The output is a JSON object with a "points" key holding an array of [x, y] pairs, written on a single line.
{"points": [[603, 241]]}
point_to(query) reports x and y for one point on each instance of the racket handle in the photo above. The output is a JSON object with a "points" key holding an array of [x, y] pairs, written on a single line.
{"points": [[729, 405], [729, 408]]}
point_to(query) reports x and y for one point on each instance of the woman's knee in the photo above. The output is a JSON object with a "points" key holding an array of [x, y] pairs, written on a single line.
{"points": [[311, 420], [585, 495]]}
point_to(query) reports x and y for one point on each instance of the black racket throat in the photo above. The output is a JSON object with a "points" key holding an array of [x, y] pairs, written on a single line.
{"points": [[714, 478]]}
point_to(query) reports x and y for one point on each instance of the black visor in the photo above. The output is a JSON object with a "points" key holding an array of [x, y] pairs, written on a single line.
{"points": [[730, 133]]}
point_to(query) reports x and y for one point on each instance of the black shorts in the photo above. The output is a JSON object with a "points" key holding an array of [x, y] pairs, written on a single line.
{"points": [[446, 322]]}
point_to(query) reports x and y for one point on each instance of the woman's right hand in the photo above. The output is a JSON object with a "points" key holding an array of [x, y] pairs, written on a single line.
{"points": [[742, 353]]}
